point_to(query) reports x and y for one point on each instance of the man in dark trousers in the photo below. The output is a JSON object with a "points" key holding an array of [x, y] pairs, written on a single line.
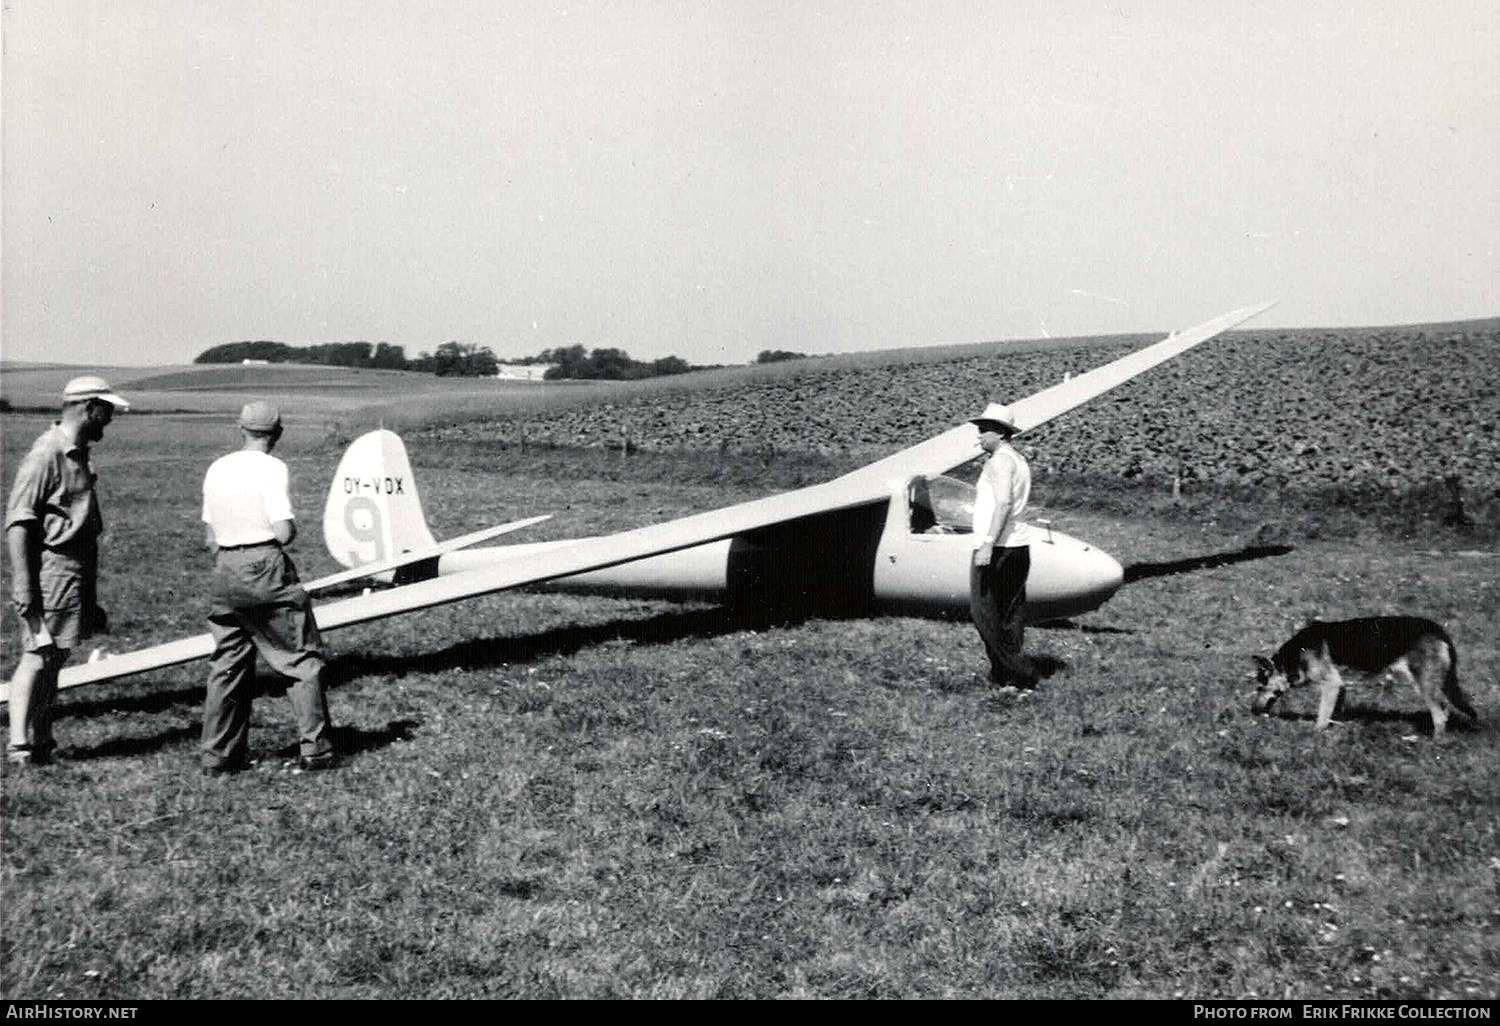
{"points": [[258, 603], [52, 528], [997, 574]]}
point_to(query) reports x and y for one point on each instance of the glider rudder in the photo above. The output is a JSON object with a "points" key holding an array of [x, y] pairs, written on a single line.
{"points": [[373, 512]]}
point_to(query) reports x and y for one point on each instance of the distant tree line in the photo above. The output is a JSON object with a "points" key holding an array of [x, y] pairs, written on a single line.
{"points": [[460, 359], [380, 355], [580, 364], [451, 358], [778, 355]]}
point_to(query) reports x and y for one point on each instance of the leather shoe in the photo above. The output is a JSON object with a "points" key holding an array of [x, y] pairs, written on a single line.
{"points": [[312, 763], [23, 756]]}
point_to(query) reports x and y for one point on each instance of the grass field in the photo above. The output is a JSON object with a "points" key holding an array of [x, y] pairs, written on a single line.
{"points": [[551, 796], [316, 397]]}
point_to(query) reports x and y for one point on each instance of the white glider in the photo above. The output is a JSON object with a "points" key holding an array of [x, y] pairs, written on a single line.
{"points": [[867, 527]]}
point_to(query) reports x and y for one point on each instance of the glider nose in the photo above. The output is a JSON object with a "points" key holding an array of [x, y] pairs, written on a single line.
{"points": [[1069, 577], [1102, 575]]}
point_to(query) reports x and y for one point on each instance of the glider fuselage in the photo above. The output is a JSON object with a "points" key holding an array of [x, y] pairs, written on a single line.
{"points": [[879, 558]]}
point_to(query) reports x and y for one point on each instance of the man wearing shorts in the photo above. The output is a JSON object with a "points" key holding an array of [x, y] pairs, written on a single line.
{"points": [[257, 601], [52, 529]]}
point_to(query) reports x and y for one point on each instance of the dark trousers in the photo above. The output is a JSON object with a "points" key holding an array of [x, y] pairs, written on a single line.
{"points": [[997, 602], [259, 606]]}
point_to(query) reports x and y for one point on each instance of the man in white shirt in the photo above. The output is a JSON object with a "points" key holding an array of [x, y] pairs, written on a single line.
{"points": [[997, 574], [257, 602]]}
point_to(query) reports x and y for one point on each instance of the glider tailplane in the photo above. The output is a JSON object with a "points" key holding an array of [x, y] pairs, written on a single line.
{"points": [[373, 512]]}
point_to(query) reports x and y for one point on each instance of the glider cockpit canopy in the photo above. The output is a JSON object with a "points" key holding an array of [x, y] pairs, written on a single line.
{"points": [[940, 505]]}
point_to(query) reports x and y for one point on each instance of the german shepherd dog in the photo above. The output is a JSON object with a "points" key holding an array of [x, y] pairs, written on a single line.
{"points": [[1408, 648]]}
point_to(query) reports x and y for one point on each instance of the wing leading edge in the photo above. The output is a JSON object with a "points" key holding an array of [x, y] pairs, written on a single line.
{"points": [[959, 445], [870, 484]]}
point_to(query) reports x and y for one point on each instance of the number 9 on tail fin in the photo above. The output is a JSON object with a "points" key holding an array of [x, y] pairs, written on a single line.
{"points": [[373, 512]]}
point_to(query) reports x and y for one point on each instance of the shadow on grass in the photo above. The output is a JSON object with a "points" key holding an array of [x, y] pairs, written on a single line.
{"points": [[268, 687], [661, 629], [351, 740], [1042, 664], [478, 653], [1081, 628], [1047, 666], [1419, 720], [155, 701], [1142, 571], [347, 740], [122, 747]]}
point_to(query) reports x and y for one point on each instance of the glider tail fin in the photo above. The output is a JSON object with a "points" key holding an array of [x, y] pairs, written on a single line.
{"points": [[373, 512]]}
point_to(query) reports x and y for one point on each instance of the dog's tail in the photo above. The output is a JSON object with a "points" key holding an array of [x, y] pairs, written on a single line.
{"points": [[1451, 691]]}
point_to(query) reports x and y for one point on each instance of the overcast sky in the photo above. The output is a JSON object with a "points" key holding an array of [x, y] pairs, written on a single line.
{"points": [[711, 179]]}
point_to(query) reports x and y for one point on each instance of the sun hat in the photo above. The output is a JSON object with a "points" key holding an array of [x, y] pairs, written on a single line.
{"points": [[90, 386], [997, 413]]}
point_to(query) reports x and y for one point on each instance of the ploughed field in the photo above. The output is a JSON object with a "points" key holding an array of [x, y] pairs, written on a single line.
{"points": [[1392, 409]]}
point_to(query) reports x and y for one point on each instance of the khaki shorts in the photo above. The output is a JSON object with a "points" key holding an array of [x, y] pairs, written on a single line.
{"points": [[67, 602], [64, 625]]}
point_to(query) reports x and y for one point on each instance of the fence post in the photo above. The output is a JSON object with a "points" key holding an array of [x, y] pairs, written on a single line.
{"points": [[1455, 516]]}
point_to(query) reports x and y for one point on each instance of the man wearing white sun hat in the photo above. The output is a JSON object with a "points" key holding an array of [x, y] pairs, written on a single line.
{"points": [[1002, 559], [52, 529]]}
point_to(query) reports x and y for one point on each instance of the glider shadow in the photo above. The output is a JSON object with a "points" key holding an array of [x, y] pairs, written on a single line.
{"points": [[347, 740], [1081, 628], [478, 653], [663, 628], [1142, 571], [165, 697]]}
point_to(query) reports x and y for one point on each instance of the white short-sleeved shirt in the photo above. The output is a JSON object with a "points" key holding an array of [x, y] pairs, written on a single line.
{"points": [[1004, 487], [244, 493]]}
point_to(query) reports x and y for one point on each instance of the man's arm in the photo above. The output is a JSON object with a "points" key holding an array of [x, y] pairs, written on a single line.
{"points": [[24, 508], [1001, 473], [279, 505], [994, 479], [23, 545]]}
